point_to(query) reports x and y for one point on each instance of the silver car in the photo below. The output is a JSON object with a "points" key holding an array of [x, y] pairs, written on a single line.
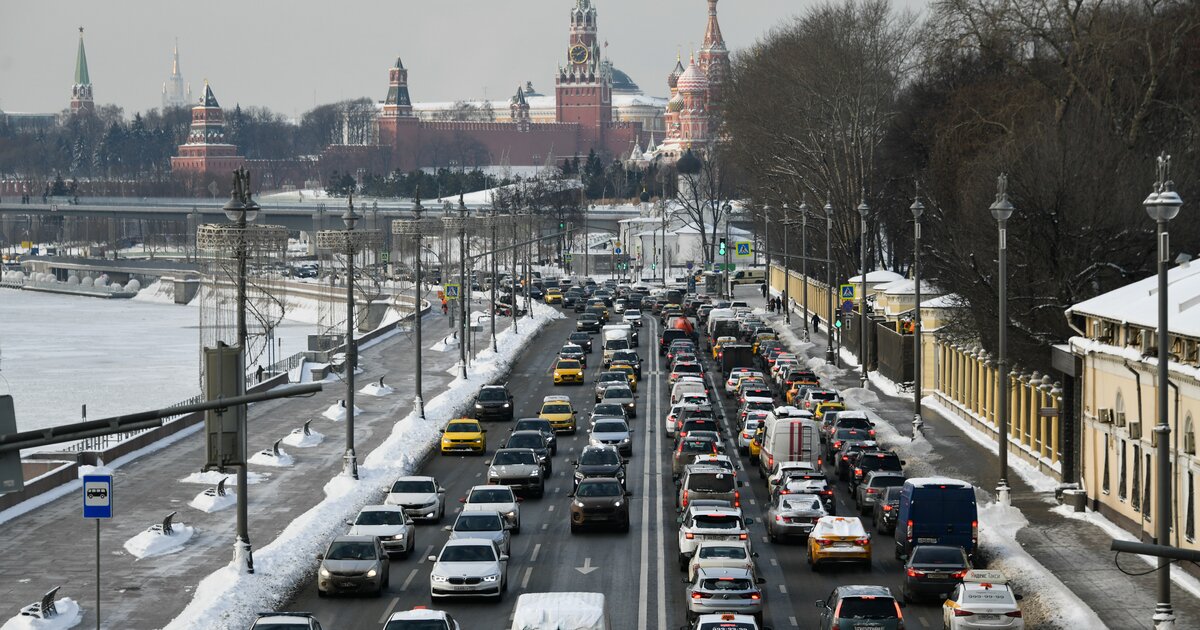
{"points": [[607, 378], [353, 564], [634, 318], [621, 395], [389, 524], [486, 525], [871, 488], [725, 590], [793, 515], [421, 497], [469, 567], [495, 499], [519, 469], [612, 431]]}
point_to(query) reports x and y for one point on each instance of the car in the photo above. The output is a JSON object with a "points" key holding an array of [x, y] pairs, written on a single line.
{"points": [[886, 509], [421, 618], [581, 339], [621, 395], [847, 420], [868, 462], [574, 352], [720, 341], [285, 621], [494, 402], [613, 431], [838, 539], [932, 571], [560, 413], [860, 606], [784, 469], [489, 525], [715, 554], [568, 371], [793, 515], [421, 497], [872, 487], [725, 621], [588, 322], [600, 500], [685, 368], [983, 601], [630, 371], [553, 296], [389, 524], [839, 437], [681, 409], [725, 590], [519, 469], [539, 424], [703, 522], [689, 423], [815, 396], [833, 405], [353, 564], [733, 382], [469, 567], [844, 458], [607, 378], [688, 449], [463, 435], [700, 481], [718, 460], [537, 441], [596, 308], [633, 317], [489, 498], [599, 461]]}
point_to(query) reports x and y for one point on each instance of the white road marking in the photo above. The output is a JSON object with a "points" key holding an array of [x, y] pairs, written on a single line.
{"points": [[644, 551], [424, 556], [783, 588], [408, 580], [792, 620], [545, 525], [525, 580], [774, 562], [754, 502], [533, 556], [923, 621], [660, 531], [766, 539], [388, 613], [550, 508]]}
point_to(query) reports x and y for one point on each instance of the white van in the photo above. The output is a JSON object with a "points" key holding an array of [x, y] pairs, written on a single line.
{"points": [[749, 276], [686, 386], [789, 439], [560, 611]]}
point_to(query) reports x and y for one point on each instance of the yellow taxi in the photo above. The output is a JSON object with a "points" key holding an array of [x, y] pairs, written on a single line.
{"points": [[761, 338], [794, 391], [838, 539], [716, 347], [630, 373], [756, 443], [829, 406], [463, 435], [560, 413], [553, 296], [568, 371]]}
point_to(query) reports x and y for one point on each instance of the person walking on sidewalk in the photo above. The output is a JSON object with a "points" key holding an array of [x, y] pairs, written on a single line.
{"points": [[816, 323], [763, 286]]}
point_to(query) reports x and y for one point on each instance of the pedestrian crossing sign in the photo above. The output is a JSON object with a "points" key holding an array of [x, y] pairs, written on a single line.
{"points": [[451, 291], [847, 292], [743, 249]]}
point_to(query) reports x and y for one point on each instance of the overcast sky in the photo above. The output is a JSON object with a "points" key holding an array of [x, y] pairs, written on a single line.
{"points": [[289, 55]]}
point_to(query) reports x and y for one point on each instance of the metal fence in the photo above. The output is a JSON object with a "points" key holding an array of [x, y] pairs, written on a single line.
{"points": [[279, 367], [105, 442], [894, 353]]}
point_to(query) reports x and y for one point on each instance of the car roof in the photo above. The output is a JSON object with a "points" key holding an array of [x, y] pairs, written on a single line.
{"points": [[416, 478], [599, 447], [382, 508], [556, 398], [839, 526], [286, 617], [468, 542], [720, 572], [349, 538], [485, 486], [713, 510], [862, 590]]}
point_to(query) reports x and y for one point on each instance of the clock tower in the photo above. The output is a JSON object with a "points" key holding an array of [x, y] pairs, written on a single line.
{"points": [[583, 88]]}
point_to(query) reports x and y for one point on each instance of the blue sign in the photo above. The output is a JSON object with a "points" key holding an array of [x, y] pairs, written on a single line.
{"points": [[743, 248], [451, 291], [689, 265], [848, 292], [97, 496], [617, 251], [847, 306]]}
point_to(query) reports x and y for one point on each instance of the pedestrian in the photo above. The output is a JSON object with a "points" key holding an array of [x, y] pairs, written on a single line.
{"points": [[816, 324], [259, 373], [763, 286], [445, 307]]}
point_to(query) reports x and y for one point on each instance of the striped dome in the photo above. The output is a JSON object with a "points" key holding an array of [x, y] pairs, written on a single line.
{"points": [[676, 103], [693, 79]]}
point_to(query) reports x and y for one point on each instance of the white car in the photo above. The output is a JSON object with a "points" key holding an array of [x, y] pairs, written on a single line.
{"points": [[469, 567], [746, 435], [783, 470], [389, 524], [713, 554], [421, 497], [495, 499], [297, 620], [725, 621], [701, 523], [633, 317], [612, 431], [481, 524], [983, 600], [421, 618]]}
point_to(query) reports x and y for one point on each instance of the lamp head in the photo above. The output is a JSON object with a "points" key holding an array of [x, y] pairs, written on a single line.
{"points": [[234, 208], [828, 210], [917, 208], [350, 218], [1163, 203], [1001, 208]]}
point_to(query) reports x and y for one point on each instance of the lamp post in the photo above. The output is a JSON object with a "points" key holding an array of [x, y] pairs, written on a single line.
{"points": [[415, 229], [804, 257], [863, 211], [787, 268], [1001, 211], [918, 209], [586, 250], [349, 242], [492, 222], [728, 277], [1162, 205], [829, 282], [458, 224]]}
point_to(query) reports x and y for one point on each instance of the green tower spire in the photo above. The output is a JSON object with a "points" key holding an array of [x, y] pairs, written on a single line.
{"points": [[81, 71]]}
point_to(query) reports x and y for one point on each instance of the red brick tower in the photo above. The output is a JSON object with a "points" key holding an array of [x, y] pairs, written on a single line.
{"points": [[206, 154], [397, 103], [714, 58], [583, 88]]}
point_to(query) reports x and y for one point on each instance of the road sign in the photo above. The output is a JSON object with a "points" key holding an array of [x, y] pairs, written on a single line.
{"points": [[384, 256], [617, 250], [566, 258], [689, 265], [451, 291], [743, 249], [847, 306], [97, 496], [730, 266], [848, 292]]}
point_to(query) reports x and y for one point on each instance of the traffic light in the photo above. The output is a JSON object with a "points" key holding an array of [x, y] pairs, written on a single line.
{"points": [[562, 225], [721, 248]]}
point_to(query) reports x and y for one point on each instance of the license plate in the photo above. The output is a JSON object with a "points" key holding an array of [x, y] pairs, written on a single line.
{"points": [[861, 627], [987, 617], [927, 541], [843, 544]]}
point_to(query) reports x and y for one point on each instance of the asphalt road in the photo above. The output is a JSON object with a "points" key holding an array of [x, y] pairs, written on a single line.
{"points": [[636, 570]]}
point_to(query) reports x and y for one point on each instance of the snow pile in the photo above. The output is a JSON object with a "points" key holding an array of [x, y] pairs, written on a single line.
{"points": [[1046, 598], [212, 502], [887, 386], [213, 477], [228, 599], [337, 411], [153, 542], [859, 396], [267, 457], [99, 469], [69, 616], [445, 344], [298, 439], [376, 389], [157, 292], [1038, 480], [823, 370]]}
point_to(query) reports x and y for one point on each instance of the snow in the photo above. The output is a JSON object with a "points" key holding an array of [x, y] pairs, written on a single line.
{"points": [[299, 440], [337, 411], [227, 599], [1082, 346], [376, 389], [69, 616], [447, 343], [1181, 578], [268, 457], [859, 397], [1137, 303], [1053, 602], [878, 276], [157, 292], [213, 477], [101, 469], [206, 502], [153, 542]]}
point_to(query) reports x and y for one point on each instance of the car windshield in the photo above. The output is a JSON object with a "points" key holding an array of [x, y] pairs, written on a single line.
{"points": [[571, 350], [618, 392], [823, 396], [621, 355], [535, 441], [556, 408], [608, 409], [851, 434], [688, 368], [506, 458], [468, 553], [380, 517], [697, 446], [730, 552], [613, 377], [271, 625], [348, 550], [631, 313], [478, 523], [868, 608], [462, 428], [938, 555], [580, 337], [725, 584], [593, 457], [610, 426], [413, 487], [491, 495], [873, 461], [568, 364], [531, 425], [711, 482], [599, 489], [716, 521], [493, 394], [887, 481], [853, 423]]}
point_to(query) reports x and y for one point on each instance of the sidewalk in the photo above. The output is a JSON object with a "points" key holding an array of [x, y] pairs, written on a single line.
{"points": [[52, 546], [1074, 551]]}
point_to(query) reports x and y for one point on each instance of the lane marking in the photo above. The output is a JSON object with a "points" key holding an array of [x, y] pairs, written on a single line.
{"points": [[774, 562], [525, 580], [408, 580], [533, 556], [647, 519], [660, 531], [425, 556], [550, 508], [792, 620], [545, 526], [391, 607], [923, 621], [783, 588]]}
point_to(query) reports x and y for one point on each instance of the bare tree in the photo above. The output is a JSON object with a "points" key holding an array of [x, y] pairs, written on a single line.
{"points": [[704, 194]]}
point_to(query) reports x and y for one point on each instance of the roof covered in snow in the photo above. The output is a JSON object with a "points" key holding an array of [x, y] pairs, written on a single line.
{"points": [[878, 276], [905, 287], [1137, 303], [952, 300]]}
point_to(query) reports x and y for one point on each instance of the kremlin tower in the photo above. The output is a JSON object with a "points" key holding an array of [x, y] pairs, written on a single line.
{"points": [[206, 155], [692, 112], [81, 91]]}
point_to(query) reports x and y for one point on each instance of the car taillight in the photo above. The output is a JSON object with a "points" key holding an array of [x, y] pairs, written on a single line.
{"points": [[743, 537], [915, 573], [778, 518], [845, 458], [958, 612], [689, 535], [755, 596], [837, 445], [857, 472], [737, 499], [872, 491], [770, 461], [862, 542], [697, 595], [887, 508], [871, 432], [974, 532], [908, 533], [958, 575], [1015, 613], [685, 498], [824, 542], [827, 492]]}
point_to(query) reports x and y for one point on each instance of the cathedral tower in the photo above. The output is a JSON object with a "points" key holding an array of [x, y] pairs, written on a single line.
{"points": [[714, 57], [81, 91]]}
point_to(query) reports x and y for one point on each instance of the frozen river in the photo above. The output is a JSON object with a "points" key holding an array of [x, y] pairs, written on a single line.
{"points": [[58, 352]]}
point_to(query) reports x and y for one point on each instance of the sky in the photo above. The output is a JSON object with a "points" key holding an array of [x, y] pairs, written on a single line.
{"points": [[292, 55]]}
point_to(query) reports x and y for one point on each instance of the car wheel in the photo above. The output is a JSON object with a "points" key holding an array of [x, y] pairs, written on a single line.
{"points": [[771, 535], [625, 525], [683, 562], [574, 528], [517, 530]]}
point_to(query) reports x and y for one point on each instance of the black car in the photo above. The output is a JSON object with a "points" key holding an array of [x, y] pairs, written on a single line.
{"points": [[631, 357], [539, 424], [885, 510], [844, 458], [588, 322], [574, 352], [872, 461], [572, 298], [494, 402], [599, 461], [933, 570], [536, 440], [581, 339]]}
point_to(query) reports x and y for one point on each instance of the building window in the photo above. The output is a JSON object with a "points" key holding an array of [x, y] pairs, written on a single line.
{"points": [[1136, 496], [1190, 516], [1106, 483], [1121, 475], [1189, 435], [1146, 489]]}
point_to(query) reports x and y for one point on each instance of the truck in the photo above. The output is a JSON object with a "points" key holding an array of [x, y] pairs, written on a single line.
{"points": [[616, 337], [735, 355], [789, 439], [561, 611], [937, 511]]}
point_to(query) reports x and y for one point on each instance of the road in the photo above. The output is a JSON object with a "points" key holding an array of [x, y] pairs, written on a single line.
{"points": [[636, 570]]}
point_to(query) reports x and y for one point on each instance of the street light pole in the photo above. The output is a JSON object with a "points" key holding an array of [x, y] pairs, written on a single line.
{"points": [[829, 283], [787, 269], [462, 286], [804, 257], [414, 228], [863, 211], [1001, 211], [492, 221], [1162, 205], [918, 209]]}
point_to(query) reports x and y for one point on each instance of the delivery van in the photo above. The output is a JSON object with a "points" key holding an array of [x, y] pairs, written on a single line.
{"points": [[789, 440], [560, 611], [937, 511]]}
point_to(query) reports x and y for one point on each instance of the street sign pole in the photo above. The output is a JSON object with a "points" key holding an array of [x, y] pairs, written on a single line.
{"points": [[97, 504]]}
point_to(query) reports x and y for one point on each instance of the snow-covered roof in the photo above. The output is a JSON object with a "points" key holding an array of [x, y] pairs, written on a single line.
{"points": [[878, 276], [689, 229], [559, 610], [937, 481], [905, 287], [952, 300], [1137, 303]]}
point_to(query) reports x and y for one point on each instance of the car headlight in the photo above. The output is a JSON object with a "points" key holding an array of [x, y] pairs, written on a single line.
{"points": [[510, 514], [625, 441], [372, 573], [617, 504], [535, 473], [579, 475], [437, 578], [398, 537], [578, 504], [491, 578], [324, 572], [507, 405], [478, 406]]}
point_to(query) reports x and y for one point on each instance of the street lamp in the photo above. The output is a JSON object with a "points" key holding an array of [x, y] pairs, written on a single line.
{"points": [[829, 281], [415, 230], [727, 208], [458, 225], [787, 268], [863, 211], [917, 209], [1162, 205], [804, 257], [1001, 211]]}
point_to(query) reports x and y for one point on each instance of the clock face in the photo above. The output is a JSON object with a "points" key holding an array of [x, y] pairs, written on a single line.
{"points": [[578, 54]]}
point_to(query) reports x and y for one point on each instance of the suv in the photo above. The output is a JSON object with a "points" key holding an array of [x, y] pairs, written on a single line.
{"points": [[884, 512], [286, 621], [600, 499], [702, 481], [700, 523], [599, 461], [621, 395], [539, 424], [421, 618], [843, 460], [353, 563], [869, 462], [607, 378], [724, 589], [871, 489], [494, 402], [519, 469], [537, 441], [860, 606]]}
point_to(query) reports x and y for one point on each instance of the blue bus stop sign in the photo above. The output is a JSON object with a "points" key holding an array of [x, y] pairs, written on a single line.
{"points": [[97, 496]]}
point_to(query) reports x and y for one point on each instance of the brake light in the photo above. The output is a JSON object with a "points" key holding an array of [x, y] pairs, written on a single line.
{"points": [[857, 472], [845, 458], [689, 535], [958, 575], [778, 518], [743, 536], [1015, 613], [958, 612], [871, 432], [824, 542], [915, 573], [887, 508], [737, 499], [685, 498], [829, 492], [909, 531], [862, 542], [697, 595], [755, 596], [872, 491], [974, 532]]}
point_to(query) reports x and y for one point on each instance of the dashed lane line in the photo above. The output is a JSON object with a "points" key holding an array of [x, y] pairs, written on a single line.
{"points": [[408, 580], [525, 579], [391, 606], [533, 556]]}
